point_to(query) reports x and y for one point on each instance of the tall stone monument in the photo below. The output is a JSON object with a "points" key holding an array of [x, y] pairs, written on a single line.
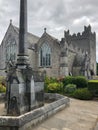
{"points": [[25, 88]]}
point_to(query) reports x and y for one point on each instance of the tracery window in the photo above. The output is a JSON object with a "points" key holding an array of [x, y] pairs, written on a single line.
{"points": [[11, 50], [45, 55]]}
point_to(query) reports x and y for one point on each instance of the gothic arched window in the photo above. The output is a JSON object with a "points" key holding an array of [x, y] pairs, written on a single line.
{"points": [[45, 55], [11, 50]]}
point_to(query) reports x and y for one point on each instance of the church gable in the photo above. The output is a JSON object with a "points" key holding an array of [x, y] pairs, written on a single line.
{"points": [[8, 46], [10, 34], [46, 38], [48, 51]]}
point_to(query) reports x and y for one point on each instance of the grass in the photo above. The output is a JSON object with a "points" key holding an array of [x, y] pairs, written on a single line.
{"points": [[95, 81]]}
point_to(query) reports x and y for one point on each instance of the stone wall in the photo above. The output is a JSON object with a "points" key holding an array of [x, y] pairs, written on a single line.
{"points": [[71, 57], [32, 59], [36, 116], [93, 55], [85, 41], [54, 69], [77, 44]]}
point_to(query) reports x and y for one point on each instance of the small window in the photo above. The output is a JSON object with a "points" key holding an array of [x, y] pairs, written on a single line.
{"points": [[45, 55]]}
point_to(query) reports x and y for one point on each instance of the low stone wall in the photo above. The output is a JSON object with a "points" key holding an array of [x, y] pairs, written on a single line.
{"points": [[32, 118]]}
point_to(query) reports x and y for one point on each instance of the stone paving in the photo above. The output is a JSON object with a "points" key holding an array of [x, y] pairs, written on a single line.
{"points": [[80, 115]]}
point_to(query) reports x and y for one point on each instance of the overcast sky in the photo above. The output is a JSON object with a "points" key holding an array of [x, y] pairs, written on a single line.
{"points": [[55, 15]]}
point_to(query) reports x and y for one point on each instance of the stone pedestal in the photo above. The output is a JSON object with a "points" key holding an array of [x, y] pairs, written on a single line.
{"points": [[23, 93]]}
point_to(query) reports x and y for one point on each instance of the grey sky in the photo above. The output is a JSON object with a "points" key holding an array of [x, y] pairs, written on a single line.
{"points": [[55, 15]]}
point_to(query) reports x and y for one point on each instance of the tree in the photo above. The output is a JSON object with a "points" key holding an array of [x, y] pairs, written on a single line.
{"points": [[97, 68]]}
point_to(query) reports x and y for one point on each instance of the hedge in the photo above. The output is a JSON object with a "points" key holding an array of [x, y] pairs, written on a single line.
{"points": [[70, 88], [93, 87], [83, 94], [79, 81], [68, 80]]}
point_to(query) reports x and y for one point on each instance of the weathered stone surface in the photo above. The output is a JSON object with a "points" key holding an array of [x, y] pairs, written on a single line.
{"points": [[77, 46], [81, 115], [23, 95], [35, 116]]}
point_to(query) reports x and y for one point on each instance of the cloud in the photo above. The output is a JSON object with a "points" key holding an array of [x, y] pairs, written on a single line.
{"points": [[55, 15]]}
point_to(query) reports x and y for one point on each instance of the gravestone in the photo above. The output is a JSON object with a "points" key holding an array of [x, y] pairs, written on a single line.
{"points": [[25, 88]]}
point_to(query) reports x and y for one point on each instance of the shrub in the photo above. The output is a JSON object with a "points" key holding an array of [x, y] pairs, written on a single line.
{"points": [[68, 80], [48, 80], [81, 82], [2, 80], [2, 88], [93, 87], [55, 87], [70, 88], [83, 94]]}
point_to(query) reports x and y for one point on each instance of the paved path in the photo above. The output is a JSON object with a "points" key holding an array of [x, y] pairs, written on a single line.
{"points": [[80, 115]]}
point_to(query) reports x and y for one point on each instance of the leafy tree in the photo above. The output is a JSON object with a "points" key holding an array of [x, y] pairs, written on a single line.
{"points": [[97, 68]]}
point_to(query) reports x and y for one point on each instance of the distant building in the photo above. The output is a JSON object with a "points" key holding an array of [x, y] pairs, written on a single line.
{"points": [[72, 55]]}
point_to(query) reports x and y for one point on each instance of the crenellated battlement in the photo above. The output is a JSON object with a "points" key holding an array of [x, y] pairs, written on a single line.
{"points": [[86, 34]]}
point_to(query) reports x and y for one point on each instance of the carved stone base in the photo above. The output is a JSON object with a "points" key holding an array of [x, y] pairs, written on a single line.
{"points": [[23, 94]]}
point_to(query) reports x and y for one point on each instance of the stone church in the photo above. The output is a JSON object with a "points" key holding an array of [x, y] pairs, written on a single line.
{"points": [[72, 55]]}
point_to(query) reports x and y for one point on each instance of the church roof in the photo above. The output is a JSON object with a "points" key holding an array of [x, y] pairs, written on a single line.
{"points": [[32, 39], [45, 34], [53, 38]]}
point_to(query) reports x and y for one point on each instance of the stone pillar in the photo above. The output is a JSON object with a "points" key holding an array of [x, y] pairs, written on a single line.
{"points": [[63, 63], [22, 95], [23, 45], [23, 27]]}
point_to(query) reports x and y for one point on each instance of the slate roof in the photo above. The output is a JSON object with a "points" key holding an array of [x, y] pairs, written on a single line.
{"points": [[32, 39], [51, 37]]}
